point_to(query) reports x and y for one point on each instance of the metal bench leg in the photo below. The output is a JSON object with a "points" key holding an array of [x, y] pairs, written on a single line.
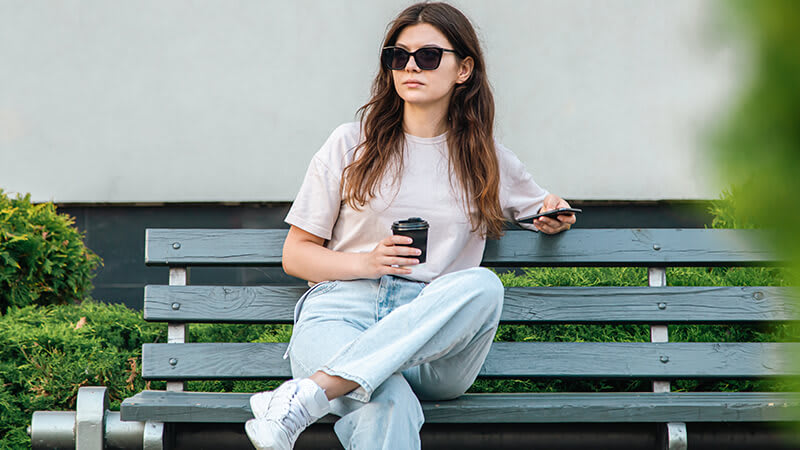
{"points": [[676, 436], [121, 434], [92, 427], [52, 429], [153, 438], [90, 418]]}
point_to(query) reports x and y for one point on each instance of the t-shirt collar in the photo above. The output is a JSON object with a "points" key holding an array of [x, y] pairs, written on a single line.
{"points": [[430, 140]]}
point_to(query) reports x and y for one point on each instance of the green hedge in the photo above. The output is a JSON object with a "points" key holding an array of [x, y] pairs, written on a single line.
{"points": [[48, 352], [43, 259]]}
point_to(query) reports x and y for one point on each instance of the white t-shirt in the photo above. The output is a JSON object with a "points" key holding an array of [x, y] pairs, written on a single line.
{"points": [[424, 190]]}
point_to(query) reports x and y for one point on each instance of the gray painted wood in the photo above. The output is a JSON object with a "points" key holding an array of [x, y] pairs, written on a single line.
{"points": [[506, 408], [505, 359], [578, 247], [275, 304], [213, 246], [630, 247], [219, 304]]}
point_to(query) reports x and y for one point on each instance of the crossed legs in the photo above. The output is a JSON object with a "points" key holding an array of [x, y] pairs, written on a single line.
{"points": [[431, 346]]}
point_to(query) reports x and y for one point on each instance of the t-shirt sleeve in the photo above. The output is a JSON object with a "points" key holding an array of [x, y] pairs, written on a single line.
{"points": [[316, 207], [520, 195]]}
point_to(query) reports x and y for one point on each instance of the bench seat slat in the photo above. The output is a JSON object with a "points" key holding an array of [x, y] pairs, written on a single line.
{"points": [[578, 247], [506, 408], [275, 304], [505, 359]]}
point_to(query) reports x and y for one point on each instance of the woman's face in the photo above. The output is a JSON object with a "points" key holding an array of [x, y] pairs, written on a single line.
{"points": [[433, 86]]}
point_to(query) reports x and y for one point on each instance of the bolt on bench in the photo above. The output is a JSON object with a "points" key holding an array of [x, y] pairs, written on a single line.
{"points": [[657, 419]]}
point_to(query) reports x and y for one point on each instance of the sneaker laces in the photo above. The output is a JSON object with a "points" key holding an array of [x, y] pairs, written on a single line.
{"points": [[290, 411]]}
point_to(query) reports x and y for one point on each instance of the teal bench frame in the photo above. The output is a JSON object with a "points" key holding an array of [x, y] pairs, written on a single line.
{"points": [[658, 305]]}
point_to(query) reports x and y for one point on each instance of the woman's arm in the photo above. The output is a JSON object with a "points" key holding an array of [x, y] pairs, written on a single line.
{"points": [[304, 256]]}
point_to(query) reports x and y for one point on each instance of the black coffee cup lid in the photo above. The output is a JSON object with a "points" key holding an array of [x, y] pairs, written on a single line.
{"points": [[412, 223]]}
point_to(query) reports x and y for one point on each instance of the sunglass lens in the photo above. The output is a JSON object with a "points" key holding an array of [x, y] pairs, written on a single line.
{"points": [[428, 58], [395, 58], [425, 58]]}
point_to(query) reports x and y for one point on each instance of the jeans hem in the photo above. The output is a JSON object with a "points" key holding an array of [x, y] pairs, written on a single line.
{"points": [[362, 393]]}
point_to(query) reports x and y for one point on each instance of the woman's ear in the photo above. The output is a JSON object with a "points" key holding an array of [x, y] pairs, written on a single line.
{"points": [[465, 70]]}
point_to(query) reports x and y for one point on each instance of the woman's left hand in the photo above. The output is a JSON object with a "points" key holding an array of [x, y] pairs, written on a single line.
{"points": [[554, 225]]}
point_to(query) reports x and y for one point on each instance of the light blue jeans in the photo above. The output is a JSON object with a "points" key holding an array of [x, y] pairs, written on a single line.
{"points": [[401, 341]]}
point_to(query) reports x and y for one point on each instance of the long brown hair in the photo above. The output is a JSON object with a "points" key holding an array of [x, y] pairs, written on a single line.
{"points": [[470, 142]]}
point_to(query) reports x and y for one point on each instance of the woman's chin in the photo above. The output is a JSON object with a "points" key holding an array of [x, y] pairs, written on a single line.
{"points": [[419, 100]]}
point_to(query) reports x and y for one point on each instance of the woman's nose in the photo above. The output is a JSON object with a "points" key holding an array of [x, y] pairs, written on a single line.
{"points": [[411, 65]]}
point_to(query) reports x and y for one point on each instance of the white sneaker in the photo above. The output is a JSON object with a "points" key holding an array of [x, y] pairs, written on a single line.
{"points": [[291, 408], [259, 403]]}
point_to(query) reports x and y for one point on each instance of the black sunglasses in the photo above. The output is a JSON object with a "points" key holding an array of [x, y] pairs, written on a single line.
{"points": [[427, 58]]}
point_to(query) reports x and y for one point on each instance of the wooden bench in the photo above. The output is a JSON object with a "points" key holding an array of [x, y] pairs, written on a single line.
{"points": [[653, 419]]}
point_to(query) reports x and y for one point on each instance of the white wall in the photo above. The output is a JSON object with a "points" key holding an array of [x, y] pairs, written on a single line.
{"points": [[154, 101]]}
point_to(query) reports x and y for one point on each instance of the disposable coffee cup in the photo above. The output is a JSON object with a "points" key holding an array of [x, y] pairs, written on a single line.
{"points": [[417, 230]]}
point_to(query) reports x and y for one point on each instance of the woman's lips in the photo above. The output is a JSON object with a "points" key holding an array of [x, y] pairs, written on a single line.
{"points": [[412, 84]]}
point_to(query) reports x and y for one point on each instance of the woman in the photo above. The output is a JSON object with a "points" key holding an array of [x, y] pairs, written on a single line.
{"points": [[379, 331]]}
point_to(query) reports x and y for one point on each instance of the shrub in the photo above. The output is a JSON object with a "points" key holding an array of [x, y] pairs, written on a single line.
{"points": [[43, 259], [727, 213], [47, 353]]}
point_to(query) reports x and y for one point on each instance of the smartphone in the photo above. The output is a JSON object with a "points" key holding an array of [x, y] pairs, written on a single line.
{"points": [[552, 214]]}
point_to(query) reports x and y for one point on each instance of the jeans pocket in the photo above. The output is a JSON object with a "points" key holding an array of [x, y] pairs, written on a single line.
{"points": [[319, 289], [314, 291]]}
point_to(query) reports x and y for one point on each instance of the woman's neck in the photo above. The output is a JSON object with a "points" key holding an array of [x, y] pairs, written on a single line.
{"points": [[424, 122]]}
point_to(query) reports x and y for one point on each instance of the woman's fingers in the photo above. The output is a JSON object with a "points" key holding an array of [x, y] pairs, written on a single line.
{"points": [[553, 226], [397, 271], [398, 245], [404, 251], [391, 255], [396, 239], [547, 221], [397, 261], [566, 218]]}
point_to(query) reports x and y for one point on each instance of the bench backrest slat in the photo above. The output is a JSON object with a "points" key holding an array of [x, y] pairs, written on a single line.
{"points": [[578, 247], [630, 247], [275, 304], [212, 247], [506, 359]]}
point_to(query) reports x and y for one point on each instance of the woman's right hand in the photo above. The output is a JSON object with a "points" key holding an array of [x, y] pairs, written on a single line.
{"points": [[387, 253]]}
